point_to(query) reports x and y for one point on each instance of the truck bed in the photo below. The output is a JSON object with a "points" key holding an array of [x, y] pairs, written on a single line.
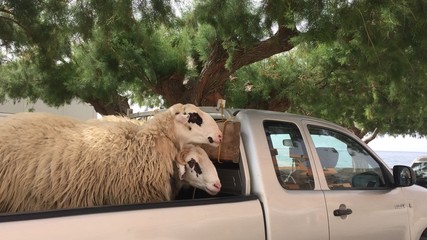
{"points": [[179, 219]]}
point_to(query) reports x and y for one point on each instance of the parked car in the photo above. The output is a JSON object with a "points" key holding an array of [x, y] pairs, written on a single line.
{"points": [[293, 177], [420, 167]]}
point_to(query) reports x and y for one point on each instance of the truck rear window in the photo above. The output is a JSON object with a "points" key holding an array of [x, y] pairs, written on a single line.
{"points": [[289, 155]]}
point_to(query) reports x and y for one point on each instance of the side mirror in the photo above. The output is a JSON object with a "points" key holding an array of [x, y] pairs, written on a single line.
{"points": [[404, 176]]}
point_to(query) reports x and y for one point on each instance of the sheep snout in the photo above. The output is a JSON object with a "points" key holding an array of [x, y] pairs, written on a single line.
{"points": [[214, 188], [216, 140]]}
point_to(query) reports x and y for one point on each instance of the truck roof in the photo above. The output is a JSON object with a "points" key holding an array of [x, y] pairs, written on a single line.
{"points": [[267, 114]]}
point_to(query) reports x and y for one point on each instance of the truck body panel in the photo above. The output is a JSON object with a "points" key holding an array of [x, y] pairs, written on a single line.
{"points": [[376, 214]]}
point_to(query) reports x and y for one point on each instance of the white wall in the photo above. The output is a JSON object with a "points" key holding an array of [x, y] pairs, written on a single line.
{"points": [[76, 109]]}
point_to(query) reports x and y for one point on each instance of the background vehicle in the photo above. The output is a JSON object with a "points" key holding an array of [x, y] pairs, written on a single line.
{"points": [[420, 167], [286, 177]]}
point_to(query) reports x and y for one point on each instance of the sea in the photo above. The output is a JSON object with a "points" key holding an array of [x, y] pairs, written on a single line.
{"points": [[399, 158]]}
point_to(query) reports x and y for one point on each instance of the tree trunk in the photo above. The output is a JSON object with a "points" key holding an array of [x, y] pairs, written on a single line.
{"points": [[118, 106], [172, 89]]}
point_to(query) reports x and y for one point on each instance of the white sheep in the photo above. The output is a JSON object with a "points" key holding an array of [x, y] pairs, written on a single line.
{"points": [[47, 162], [195, 168], [191, 162]]}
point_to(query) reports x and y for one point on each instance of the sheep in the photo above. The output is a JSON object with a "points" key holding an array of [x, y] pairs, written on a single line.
{"points": [[194, 168], [189, 163], [45, 160]]}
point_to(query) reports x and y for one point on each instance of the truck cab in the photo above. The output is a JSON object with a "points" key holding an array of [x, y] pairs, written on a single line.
{"points": [[315, 178]]}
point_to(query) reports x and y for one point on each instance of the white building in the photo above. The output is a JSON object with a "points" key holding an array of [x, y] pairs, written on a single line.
{"points": [[76, 109]]}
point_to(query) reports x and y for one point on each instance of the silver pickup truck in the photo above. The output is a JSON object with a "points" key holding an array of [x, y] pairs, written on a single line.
{"points": [[287, 177]]}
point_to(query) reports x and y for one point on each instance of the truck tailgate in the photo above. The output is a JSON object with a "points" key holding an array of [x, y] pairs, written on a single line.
{"points": [[223, 218]]}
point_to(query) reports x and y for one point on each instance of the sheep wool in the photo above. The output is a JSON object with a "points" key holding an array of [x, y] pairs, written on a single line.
{"points": [[53, 162]]}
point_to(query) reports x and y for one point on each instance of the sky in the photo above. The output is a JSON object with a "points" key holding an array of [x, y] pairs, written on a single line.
{"points": [[400, 143]]}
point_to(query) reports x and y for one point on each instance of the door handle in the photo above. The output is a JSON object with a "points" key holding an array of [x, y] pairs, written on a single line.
{"points": [[342, 211], [338, 212]]}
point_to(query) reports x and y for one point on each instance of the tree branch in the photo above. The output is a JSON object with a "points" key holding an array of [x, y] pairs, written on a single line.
{"points": [[12, 19], [372, 136], [278, 43], [215, 74]]}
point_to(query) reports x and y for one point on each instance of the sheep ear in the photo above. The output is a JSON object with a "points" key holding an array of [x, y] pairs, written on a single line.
{"points": [[180, 157], [181, 170], [179, 111], [180, 162], [182, 117]]}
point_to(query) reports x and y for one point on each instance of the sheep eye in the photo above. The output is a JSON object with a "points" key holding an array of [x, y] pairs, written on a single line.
{"points": [[195, 118]]}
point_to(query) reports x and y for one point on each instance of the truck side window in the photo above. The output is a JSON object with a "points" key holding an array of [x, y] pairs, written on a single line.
{"points": [[289, 155], [345, 162]]}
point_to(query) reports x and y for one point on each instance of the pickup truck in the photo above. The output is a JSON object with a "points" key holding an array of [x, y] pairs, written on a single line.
{"points": [[289, 177]]}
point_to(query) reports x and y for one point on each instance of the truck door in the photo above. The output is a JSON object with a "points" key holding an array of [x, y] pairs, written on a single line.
{"points": [[361, 201], [293, 203]]}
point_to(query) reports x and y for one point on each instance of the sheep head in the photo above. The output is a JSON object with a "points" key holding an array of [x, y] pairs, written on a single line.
{"points": [[192, 125], [196, 169]]}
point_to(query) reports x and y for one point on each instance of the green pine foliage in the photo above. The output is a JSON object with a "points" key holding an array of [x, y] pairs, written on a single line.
{"points": [[361, 64], [366, 73]]}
